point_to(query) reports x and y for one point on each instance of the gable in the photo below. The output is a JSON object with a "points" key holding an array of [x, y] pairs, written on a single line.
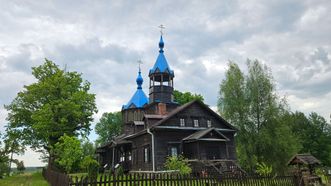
{"points": [[209, 134], [195, 111]]}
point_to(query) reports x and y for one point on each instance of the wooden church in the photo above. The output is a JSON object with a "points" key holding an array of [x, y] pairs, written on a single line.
{"points": [[156, 127]]}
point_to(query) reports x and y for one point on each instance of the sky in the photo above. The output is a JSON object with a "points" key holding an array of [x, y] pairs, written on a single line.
{"points": [[103, 40]]}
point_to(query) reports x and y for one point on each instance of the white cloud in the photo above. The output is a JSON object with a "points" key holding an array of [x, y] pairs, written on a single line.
{"points": [[103, 41]]}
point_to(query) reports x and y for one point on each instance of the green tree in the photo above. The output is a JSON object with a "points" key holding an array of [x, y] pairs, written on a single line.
{"points": [[88, 148], [185, 97], [318, 139], [20, 166], [109, 126], [68, 153], [57, 103], [251, 103], [13, 145], [4, 159]]}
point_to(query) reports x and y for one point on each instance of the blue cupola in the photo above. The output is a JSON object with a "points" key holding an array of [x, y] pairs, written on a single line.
{"points": [[161, 79], [161, 64], [139, 98]]}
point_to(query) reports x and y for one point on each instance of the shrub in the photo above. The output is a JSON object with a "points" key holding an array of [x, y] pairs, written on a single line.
{"points": [[91, 166], [263, 170], [119, 171], [178, 163]]}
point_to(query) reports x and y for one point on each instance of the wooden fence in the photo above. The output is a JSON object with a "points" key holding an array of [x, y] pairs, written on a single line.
{"points": [[181, 180], [56, 178], [162, 179]]}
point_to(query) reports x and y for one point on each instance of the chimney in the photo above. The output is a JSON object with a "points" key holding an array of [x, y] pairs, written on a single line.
{"points": [[162, 109]]}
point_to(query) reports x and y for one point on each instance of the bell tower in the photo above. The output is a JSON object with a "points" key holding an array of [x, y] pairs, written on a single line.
{"points": [[161, 84]]}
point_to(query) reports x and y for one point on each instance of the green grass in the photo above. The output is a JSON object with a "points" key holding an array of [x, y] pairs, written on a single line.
{"points": [[27, 179]]}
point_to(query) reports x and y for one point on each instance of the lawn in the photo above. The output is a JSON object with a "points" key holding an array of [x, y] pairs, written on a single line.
{"points": [[27, 179]]}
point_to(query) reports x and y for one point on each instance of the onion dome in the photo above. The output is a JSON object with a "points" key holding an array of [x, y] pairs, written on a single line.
{"points": [[161, 64], [139, 98]]}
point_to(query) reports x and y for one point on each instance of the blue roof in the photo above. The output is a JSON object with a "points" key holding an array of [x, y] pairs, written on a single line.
{"points": [[139, 98], [161, 64]]}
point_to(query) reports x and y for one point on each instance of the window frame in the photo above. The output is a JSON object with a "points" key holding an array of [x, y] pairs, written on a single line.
{"points": [[209, 123], [182, 122], [146, 154], [195, 123]]}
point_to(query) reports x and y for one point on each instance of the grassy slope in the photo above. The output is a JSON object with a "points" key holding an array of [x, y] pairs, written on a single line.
{"points": [[27, 179]]}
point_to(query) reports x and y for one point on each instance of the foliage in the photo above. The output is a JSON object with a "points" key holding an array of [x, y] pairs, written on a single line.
{"points": [[88, 148], [323, 175], [109, 126], [251, 103], [119, 171], [263, 170], [185, 97], [4, 160], [20, 166], [68, 153], [91, 166], [314, 134], [57, 103], [178, 163]]}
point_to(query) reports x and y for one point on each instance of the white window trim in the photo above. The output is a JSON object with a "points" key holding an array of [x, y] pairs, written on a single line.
{"points": [[146, 155]]}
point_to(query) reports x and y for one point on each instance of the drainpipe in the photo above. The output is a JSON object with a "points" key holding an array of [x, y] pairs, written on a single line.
{"points": [[113, 166], [153, 157]]}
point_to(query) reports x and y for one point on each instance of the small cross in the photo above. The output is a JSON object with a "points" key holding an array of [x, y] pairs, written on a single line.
{"points": [[161, 29], [139, 63]]}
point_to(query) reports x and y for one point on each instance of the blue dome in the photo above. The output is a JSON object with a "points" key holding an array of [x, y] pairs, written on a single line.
{"points": [[161, 44], [161, 64], [139, 80], [139, 98]]}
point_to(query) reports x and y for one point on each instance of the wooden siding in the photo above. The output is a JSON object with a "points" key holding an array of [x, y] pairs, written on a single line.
{"points": [[138, 153], [195, 111]]}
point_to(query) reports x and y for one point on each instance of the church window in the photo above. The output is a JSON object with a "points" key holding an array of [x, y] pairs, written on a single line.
{"points": [[122, 157], [208, 123], [182, 122], [146, 154], [174, 151], [129, 156], [196, 123]]}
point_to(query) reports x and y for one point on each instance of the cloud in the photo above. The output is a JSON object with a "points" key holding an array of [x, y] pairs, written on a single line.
{"points": [[103, 40]]}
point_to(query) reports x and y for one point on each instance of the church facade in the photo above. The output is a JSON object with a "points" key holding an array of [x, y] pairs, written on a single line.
{"points": [[156, 127]]}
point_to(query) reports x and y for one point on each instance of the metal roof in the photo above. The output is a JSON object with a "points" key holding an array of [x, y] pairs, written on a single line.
{"points": [[161, 64], [139, 98]]}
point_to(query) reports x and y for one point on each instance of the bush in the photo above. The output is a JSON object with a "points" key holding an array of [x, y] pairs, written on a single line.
{"points": [[178, 163], [263, 170], [323, 175], [91, 166], [119, 171]]}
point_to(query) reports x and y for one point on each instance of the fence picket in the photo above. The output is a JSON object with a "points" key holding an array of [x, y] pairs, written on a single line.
{"points": [[158, 179]]}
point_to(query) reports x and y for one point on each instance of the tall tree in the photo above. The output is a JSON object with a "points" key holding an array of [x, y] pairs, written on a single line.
{"points": [[58, 103], [185, 97], [109, 126], [318, 139], [232, 104], [251, 103]]}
